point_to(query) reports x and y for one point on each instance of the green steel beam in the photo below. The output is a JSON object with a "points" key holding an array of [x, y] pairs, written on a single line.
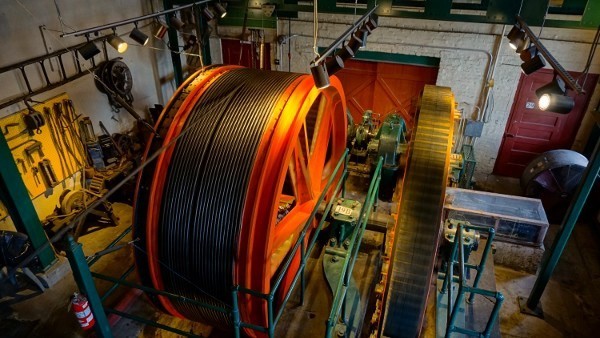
{"points": [[16, 199], [498, 12], [553, 256], [174, 47], [85, 283]]}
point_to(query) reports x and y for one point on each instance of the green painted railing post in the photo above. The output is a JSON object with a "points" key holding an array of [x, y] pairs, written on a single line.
{"points": [[15, 197], [83, 278], [551, 260], [481, 266], [174, 46], [235, 313]]}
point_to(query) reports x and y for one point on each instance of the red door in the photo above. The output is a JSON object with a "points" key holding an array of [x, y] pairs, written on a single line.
{"points": [[531, 131], [384, 87]]}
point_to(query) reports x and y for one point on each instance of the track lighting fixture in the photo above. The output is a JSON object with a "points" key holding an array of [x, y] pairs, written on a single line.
{"points": [[516, 36], [207, 14], [552, 97], [557, 103], [138, 36], [334, 64], [160, 31], [176, 23], [345, 52], [320, 76], [355, 42], [89, 50], [220, 9], [363, 33], [117, 43], [532, 60], [371, 22]]}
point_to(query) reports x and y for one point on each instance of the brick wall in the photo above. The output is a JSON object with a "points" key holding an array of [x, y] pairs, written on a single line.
{"points": [[464, 50]]}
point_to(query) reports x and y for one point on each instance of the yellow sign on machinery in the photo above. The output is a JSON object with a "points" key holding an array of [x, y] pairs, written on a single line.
{"points": [[46, 144]]}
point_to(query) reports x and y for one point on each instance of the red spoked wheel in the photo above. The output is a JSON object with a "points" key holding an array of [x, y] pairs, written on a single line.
{"points": [[224, 204]]}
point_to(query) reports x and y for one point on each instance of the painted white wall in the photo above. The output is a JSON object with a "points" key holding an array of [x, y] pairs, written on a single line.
{"points": [[21, 40], [463, 49]]}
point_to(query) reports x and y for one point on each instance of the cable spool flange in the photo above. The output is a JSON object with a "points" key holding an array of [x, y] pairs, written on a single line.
{"points": [[206, 209]]}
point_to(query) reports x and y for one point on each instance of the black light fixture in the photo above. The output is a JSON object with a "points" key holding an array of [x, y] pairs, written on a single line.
{"points": [[138, 36], [161, 30], [176, 22], [516, 36], [345, 52], [89, 50], [532, 60], [372, 22], [320, 76], [334, 64], [552, 97], [363, 33], [220, 9], [117, 43], [355, 42], [207, 14]]}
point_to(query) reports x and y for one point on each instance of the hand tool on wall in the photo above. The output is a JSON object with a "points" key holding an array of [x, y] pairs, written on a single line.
{"points": [[48, 174], [5, 130], [35, 147], [33, 119], [22, 163], [36, 179], [24, 143], [65, 165]]}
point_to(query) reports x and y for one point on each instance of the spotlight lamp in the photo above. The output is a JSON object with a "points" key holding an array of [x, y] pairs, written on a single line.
{"points": [[117, 43], [334, 64], [363, 33], [356, 42], [161, 30], [207, 14], [176, 23], [89, 50], [220, 9], [516, 37], [533, 60], [320, 76], [138, 36], [553, 98], [345, 52], [372, 21]]}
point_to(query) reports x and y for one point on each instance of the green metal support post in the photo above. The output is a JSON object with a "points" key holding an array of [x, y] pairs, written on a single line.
{"points": [[174, 47], [551, 260], [16, 199], [83, 278]]}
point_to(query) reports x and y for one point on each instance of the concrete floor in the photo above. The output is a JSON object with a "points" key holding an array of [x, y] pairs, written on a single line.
{"points": [[570, 302]]}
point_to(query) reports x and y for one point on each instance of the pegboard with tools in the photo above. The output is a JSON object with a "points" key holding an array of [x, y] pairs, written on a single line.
{"points": [[45, 141]]}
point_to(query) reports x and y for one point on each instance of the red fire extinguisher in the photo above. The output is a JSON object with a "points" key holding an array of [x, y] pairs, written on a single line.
{"points": [[82, 310]]}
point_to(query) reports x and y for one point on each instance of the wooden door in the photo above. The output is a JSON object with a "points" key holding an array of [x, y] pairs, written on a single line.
{"points": [[531, 131], [384, 87]]}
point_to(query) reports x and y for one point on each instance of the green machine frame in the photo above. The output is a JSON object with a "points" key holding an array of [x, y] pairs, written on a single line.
{"points": [[84, 278]]}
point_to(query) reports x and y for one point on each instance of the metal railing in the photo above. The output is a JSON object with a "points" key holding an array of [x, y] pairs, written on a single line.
{"points": [[461, 280], [84, 276]]}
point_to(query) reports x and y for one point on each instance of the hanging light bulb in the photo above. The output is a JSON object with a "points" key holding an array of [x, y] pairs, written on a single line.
{"points": [[117, 43]]}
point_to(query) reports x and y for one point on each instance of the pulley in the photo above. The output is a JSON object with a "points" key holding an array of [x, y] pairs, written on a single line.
{"points": [[238, 144]]}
